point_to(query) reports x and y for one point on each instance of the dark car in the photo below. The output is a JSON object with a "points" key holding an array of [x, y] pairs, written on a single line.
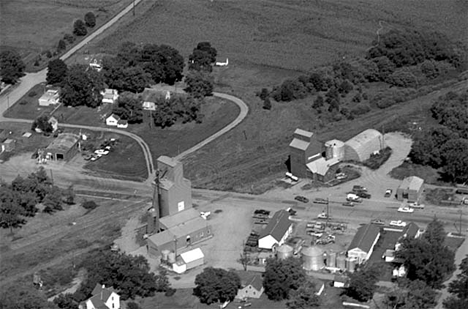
{"points": [[301, 198], [348, 204], [378, 221], [261, 212], [363, 194], [359, 188], [320, 201]]}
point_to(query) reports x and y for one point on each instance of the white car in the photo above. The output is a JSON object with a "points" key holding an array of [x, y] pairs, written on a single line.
{"points": [[205, 215], [405, 209], [398, 223], [416, 205], [323, 215]]}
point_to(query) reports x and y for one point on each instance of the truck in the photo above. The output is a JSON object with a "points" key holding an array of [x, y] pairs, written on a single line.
{"points": [[353, 198]]}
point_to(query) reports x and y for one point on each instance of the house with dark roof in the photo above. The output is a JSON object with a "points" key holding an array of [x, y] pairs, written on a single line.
{"points": [[253, 288], [276, 232], [102, 298], [363, 243]]}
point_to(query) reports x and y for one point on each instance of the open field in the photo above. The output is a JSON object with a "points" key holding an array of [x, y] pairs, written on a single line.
{"points": [[35, 26]]}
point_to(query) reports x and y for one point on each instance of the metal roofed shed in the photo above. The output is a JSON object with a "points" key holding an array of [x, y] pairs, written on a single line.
{"points": [[363, 243], [275, 233], [64, 147], [189, 260], [410, 188], [360, 147]]}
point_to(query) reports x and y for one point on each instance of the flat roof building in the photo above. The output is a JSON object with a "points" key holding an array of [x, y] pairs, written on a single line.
{"points": [[64, 147], [410, 188]]}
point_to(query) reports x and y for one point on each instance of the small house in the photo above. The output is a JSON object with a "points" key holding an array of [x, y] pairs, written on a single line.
{"points": [[109, 96], [54, 123], [149, 106], [112, 120], [51, 97], [253, 288], [102, 298], [122, 124]]}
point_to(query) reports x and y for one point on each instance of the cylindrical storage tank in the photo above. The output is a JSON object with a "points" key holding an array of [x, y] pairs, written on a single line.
{"points": [[338, 151], [341, 261], [331, 262], [351, 264], [284, 251], [165, 255], [312, 258], [171, 258]]}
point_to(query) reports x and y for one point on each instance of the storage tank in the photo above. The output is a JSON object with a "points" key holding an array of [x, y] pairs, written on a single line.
{"points": [[284, 251], [334, 149], [165, 255], [341, 261], [331, 262], [312, 258], [351, 264], [171, 258]]}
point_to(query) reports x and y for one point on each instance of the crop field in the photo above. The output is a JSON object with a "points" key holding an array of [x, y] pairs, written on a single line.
{"points": [[292, 34], [34, 26]]}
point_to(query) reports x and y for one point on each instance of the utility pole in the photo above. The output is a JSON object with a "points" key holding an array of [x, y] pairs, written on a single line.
{"points": [[328, 211], [133, 7]]}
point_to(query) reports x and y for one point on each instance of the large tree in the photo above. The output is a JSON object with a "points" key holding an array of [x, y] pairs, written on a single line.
{"points": [[163, 62], [282, 276], [305, 297], [199, 84], [56, 71], [11, 66], [79, 28], [362, 284], [202, 57], [81, 87], [459, 289], [11, 212], [216, 284], [129, 107], [90, 19], [121, 77], [454, 155]]}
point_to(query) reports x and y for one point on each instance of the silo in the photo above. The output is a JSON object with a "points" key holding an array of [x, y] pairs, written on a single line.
{"points": [[331, 262], [312, 258], [351, 264], [165, 255], [284, 251], [341, 261], [171, 258]]}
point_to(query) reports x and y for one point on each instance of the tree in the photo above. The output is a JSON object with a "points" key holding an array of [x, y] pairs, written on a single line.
{"points": [[81, 88], [79, 28], [202, 57], [412, 295], [304, 297], [318, 102], [244, 260], [282, 276], [129, 107], [267, 103], [216, 284], [11, 213], [24, 296], [56, 72], [90, 19], [459, 289], [164, 115], [42, 123], [69, 195], [124, 78], [435, 233], [61, 45], [264, 94], [199, 84], [164, 63], [53, 200], [11, 66], [362, 285], [65, 301]]}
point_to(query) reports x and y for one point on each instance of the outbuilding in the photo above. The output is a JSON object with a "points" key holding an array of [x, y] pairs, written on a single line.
{"points": [[253, 288], [360, 147], [112, 120], [410, 189], [276, 232], [64, 147], [51, 97], [109, 96], [363, 243]]}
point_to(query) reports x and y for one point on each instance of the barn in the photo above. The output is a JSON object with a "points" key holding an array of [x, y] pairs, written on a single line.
{"points": [[276, 232], [360, 147], [410, 189], [362, 245], [64, 147]]}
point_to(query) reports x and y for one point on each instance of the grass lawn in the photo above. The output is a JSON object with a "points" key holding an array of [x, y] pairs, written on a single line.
{"points": [[28, 106], [33, 27]]}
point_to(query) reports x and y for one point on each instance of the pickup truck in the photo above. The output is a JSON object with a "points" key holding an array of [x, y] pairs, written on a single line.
{"points": [[353, 198]]}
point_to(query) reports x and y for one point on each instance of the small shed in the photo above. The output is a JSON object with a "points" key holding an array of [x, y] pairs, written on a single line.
{"points": [[193, 258], [410, 188], [340, 281], [8, 145]]}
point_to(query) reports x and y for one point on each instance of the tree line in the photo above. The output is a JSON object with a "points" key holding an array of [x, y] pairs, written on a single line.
{"points": [[444, 146], [19, 199]]}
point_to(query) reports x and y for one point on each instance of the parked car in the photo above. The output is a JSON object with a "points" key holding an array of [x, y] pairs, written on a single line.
{"points": [[315, 234], [323, 216], [363, 194], [261, 212], [205, 214], [291, 211], [378, 221], [388, 193], [406, 209], [398, 223], [351, 197], [416, 205], [325, 241], [348, 204], [359, 188], [319, 200], [301, 198]]}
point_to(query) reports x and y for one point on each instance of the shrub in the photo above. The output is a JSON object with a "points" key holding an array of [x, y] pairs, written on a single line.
{"points": [[402, 78], [90, 19], [170, 292], [89, 205], [32, 94], [48, 54], [133, 305], [69, 38], [79, 28], [24, 102], [267, 103], [360, 109]]}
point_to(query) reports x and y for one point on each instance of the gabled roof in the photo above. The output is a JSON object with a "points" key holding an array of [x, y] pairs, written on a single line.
{"points": [[412, 183], [410, 230], [256, 282], [114, 116], [278, 225], [365, 237], [64, 142]]}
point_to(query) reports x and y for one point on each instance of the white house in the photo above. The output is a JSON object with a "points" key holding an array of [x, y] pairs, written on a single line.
{"points": [[102, 298], [277, 231], [109, 96], [363, 242], [51, 97], [122, 124], [112, 120], [253, 288]]}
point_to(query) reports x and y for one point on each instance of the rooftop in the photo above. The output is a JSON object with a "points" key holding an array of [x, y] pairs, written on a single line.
{"points": [[256, 281], [64, 142], [277, 226], [362, 138], [179, 218], [365, 237], [168, 161], [299, 144], [192, 255]]}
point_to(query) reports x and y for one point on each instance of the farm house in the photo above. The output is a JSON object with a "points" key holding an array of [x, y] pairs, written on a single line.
{"points": [[64, 147], [410, 189]]}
